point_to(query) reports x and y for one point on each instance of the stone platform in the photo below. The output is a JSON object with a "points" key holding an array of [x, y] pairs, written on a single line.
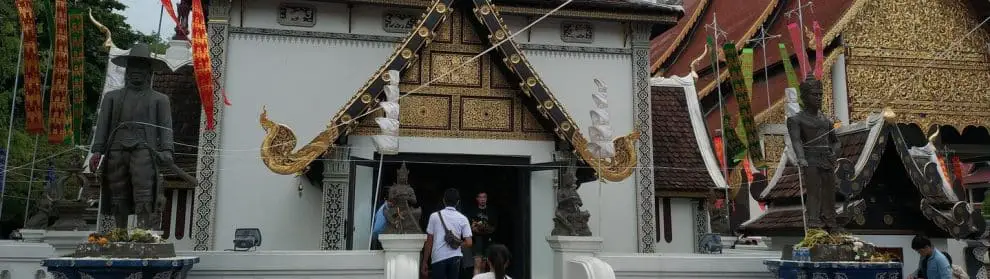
{"points": [[111, 268], [782, 269]]}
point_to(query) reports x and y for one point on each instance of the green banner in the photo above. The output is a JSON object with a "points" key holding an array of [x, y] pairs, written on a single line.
{"points": [[747, 69], [77, 60], [749, 133], [792, 80]]}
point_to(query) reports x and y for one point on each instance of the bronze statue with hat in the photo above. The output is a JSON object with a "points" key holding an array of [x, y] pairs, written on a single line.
{"points": [[134, 134]]}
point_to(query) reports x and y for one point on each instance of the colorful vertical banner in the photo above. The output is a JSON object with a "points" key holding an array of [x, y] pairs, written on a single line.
{"points": [[749, 132], [802, 54], [34, 118], [58, 103], [957, 169], [201, 63], [747, 69], [819, 52], [714, 55], [78, 61], [720, 152], [792, 80]]}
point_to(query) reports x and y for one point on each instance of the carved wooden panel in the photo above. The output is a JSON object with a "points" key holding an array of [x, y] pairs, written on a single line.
{"points": [[577, 32], [487, 114], [900, 57], [773, 146], [425, 111], [396, 21], [474, 101], [467, 75]]}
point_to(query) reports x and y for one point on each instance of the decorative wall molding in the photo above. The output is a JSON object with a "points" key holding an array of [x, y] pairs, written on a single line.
{"points": [[336, 181], [399, 21], [577, 32], [396, 39], [645, 191], [296, 14], [207, 167]]}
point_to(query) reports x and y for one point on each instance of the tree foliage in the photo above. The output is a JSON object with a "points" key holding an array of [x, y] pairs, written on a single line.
{"points": [[30, 156]]}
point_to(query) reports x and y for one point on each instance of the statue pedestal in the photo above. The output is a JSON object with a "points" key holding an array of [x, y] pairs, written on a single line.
{"points": [[65, 241], [402, 254], [97, 268], [32, 235], [566, 248], [20, 259], [851, 270]]}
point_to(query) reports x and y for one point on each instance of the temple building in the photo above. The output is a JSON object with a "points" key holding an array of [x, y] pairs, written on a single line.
{"points": [[504, 123], [924, 61]]}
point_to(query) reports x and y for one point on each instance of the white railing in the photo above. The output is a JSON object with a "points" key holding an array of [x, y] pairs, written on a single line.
{"points": [[584, 267], [678, 266], [288, 264]]}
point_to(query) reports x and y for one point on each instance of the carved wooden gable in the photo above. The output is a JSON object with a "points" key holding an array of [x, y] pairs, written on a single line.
{"points": [[475, 101], [912, 56]]}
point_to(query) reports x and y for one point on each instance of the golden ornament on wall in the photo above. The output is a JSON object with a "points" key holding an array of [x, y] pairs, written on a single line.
{"points": [[279, 140]]}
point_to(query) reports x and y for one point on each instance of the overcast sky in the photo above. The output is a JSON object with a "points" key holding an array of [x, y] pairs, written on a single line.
{"points": [[143, 16]]}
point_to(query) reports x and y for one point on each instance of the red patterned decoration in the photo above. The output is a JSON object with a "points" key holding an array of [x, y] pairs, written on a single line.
{"points": [[58, 114], [32, 69], [201, 63]]}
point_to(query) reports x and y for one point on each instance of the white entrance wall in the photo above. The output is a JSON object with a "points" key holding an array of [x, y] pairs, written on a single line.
{"points": [[302, 81], [682, 224]]}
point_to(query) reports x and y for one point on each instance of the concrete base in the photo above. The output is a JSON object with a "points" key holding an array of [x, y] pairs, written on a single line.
{"points": [[567, 248], [402, 244], [20, 259], [33, 236], [65, 242]]}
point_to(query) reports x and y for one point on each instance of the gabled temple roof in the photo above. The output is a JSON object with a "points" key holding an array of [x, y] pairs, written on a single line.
{"points": [[863, 146], [684, 163]]}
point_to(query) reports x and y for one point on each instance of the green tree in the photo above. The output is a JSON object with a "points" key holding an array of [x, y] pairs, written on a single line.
{"points": [[22, 151]]}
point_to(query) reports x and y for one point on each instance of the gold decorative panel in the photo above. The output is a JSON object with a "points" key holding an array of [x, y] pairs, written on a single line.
{"points": [[915, 57], [774, 147], [476, 101], [468, 75], [487, 114], [468, 35], [425, 111]]}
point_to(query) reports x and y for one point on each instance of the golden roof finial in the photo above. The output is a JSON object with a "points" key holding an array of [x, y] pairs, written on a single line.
{"points": [[693, 73]]}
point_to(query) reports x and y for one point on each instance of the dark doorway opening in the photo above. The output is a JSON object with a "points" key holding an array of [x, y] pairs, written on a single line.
{"points": [[505, 179]]}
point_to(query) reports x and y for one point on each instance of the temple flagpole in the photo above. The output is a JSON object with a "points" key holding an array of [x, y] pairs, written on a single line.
{"points": [[374, 204], [10, 126], [34, 153], [718, 83]]}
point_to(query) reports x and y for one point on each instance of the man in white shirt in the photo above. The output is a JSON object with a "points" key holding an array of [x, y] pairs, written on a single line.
{"points": [[445, 261]]}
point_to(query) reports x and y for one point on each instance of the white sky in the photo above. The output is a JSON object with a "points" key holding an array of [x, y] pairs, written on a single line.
{"points": [[143, 16]]}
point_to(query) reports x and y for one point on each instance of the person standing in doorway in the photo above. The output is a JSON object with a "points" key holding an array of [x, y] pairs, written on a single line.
{"points": [[379, 225], [933, 264], [483, 221], [446, 232]]}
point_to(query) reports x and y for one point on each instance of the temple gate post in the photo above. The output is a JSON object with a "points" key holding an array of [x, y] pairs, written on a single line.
{"points": [[336, 181], [207, 167], [645, 216]]}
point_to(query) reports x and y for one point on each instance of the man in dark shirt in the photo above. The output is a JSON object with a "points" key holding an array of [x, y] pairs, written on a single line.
{"points": [[483, 219]]}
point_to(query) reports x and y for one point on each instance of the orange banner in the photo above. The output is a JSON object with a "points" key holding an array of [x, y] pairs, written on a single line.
{"points": [[201, 62], [34, 119], [77, 76], [58, 114]]}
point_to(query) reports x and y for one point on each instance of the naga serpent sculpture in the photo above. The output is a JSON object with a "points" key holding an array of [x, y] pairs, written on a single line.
{"points": [[276, 148]]}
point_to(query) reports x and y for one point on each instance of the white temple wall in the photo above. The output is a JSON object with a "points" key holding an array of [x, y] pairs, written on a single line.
{"points": [[302, 81], [682, 225], [571, 76], [547, 31]]}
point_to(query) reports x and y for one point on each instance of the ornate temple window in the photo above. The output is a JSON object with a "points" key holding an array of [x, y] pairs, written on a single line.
{"points": [[395, 21], [577, 32]]}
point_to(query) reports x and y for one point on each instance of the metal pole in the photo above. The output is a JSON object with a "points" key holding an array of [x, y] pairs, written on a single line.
{"points": [[160, 15], [10, 125], [721, 116], [374, 201], [34, 154]]}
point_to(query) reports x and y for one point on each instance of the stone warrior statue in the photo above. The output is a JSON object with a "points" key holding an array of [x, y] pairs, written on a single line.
{"points": [[134, 131], [569, 219], [815, 144], [401, 216]]}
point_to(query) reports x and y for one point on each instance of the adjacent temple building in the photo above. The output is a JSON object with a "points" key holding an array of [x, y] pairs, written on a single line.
{"points": [[921, 60]]}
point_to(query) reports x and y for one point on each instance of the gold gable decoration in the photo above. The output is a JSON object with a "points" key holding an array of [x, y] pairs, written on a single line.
{"points": [[279, 140], [276, 147]]}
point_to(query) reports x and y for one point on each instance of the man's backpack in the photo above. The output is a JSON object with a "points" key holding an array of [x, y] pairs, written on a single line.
{"points": [[452, 240]]}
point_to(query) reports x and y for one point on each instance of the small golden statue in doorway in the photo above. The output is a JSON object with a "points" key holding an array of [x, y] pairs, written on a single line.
{"points": [[569, 219], [401, 217]]}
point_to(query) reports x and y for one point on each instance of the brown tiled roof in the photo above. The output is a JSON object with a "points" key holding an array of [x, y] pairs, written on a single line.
{"points": [[679, 167], [180, 86], [738, 19], [641, 6], [778, 221], [788, 186]]}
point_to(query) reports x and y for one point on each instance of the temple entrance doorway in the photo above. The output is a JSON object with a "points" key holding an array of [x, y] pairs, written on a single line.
{"points": [[506, 181]]}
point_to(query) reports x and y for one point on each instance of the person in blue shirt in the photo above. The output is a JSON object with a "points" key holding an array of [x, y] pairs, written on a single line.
{"points": [[379, 225], [933, 264]]}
